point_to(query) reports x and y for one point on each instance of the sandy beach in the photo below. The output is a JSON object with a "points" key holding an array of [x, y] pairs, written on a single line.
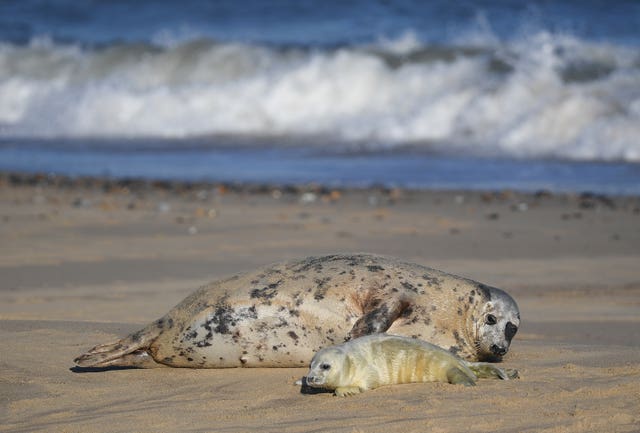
{"points": [[86, 261]]}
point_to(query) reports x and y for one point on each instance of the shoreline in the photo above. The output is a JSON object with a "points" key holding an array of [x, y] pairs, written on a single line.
{"points": [[141, 184]]}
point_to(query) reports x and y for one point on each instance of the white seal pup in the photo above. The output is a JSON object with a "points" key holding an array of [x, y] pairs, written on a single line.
{"points": [[280, 315], [376, 360]]}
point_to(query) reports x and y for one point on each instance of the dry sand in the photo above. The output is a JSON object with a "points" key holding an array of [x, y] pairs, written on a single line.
{"points": [[86, 262]]}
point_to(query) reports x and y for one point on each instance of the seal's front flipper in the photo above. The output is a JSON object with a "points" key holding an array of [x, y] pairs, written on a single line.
{"points": [[486, 370], [346, 391], [457, 376], [378, 318]]}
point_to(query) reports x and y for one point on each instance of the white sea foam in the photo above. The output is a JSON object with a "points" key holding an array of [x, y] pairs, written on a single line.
{"points": [[542, 96]]}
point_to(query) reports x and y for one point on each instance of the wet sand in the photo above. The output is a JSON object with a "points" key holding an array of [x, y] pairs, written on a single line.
{"points": [[86, 261]]}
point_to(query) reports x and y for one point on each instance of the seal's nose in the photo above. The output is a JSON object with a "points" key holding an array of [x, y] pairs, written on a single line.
{"points": [[498, 350]]}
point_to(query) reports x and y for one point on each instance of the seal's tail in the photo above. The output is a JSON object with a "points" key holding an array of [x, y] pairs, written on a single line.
{"points": [[130, 351], [485, 370]]}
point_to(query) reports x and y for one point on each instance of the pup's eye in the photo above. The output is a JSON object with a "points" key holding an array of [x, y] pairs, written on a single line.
{"points": [[325, 366], [490, 319]]}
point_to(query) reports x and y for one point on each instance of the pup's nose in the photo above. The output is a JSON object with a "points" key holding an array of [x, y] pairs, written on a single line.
{"points": [[498, 350]]}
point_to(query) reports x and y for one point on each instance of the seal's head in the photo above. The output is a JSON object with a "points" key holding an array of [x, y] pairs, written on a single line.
{"points": [[496, 325], [328, 368]]}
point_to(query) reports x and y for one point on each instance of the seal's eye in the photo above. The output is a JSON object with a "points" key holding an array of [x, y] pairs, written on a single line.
{"points": [[325, 366], [490, 319]]}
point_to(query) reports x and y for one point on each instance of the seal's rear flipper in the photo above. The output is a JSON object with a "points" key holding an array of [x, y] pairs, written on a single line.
{"points": [[139, 359], [131, 351]]}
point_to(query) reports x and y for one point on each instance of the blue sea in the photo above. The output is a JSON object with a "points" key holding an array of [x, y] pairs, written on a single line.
{"points": [[484, 94]]}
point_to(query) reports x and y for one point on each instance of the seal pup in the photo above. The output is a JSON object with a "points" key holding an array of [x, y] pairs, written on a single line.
{"points": [[280, 315], [376, 360]]}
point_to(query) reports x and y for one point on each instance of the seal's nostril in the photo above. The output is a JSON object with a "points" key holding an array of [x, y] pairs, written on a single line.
{"points": [[497, 350]]}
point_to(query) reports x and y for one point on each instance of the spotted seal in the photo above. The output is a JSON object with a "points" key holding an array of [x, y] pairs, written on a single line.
{"points": [[380, 359], [279, 315]]}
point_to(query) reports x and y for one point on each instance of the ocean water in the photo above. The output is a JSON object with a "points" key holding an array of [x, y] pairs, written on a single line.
{"points": [[482, 94]]}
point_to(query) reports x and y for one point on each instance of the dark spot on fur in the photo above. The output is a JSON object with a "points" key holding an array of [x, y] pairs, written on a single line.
{"points": [[509, 331], [407, 312], [409, 286], [459, 311], [375, 268], [321, 288], [168, 359], [459, 340], [190, 359], [293, 335], [223, 318], [454, 349], [432, 281], [266, 293], [485, 291]]}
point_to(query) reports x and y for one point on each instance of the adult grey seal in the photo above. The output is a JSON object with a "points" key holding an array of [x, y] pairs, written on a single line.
{"points": [[380, 359], [279, 315]]}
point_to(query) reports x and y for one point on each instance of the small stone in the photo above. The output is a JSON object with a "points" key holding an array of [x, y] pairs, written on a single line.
{"points": [[163, 207], [308, 198], [81, 202], [202, 195], [193, 230], [520, 207]]}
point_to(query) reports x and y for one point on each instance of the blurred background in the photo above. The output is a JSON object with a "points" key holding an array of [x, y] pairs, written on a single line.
{"points": [[486, 94]]}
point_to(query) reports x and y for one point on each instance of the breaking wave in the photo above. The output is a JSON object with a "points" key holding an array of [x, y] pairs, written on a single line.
{"points": [[542, 96]]}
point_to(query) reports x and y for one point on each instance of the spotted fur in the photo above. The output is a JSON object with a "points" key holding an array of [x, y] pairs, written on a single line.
{"points": [[278, 316]]}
